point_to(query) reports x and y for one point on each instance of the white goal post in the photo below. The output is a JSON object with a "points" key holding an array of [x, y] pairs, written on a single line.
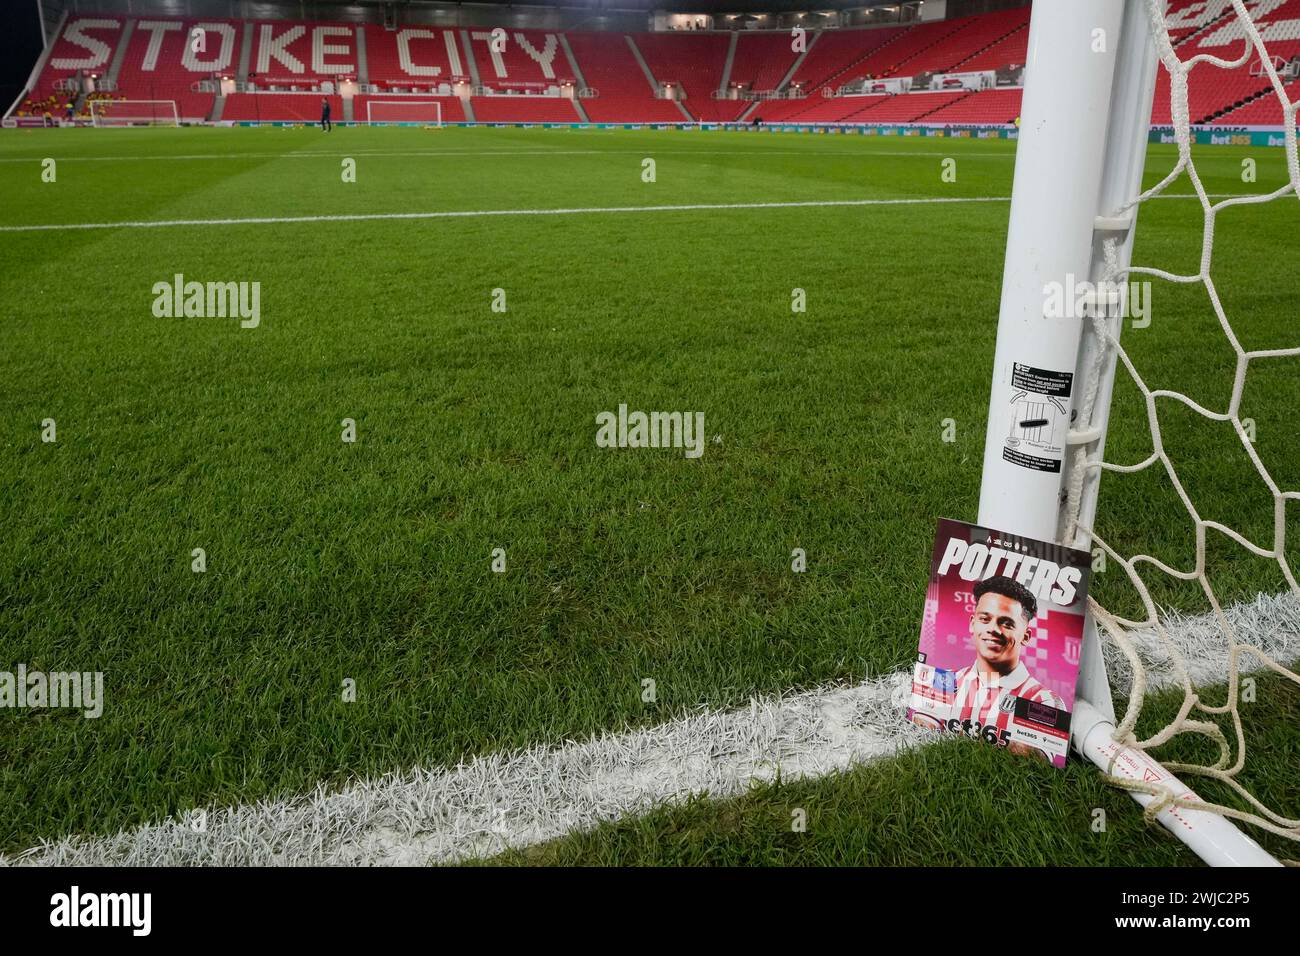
{"points": [[1089, 85], [119, 113], [403, 112]]}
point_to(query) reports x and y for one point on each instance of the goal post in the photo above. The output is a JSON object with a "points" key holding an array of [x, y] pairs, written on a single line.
{"points": [[123, 113], [1089, 84], [403, 113]]}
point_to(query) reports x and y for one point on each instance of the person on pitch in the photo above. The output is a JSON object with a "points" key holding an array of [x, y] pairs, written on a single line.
{"points": [[325, 123], [1000, 627]]}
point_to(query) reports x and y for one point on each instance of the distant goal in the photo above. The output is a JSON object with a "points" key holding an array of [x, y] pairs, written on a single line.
{"points": [[105, 113], [403, 113]]}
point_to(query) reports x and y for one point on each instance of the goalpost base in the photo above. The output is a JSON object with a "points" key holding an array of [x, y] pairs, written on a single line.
{"points": [[1213, 838]]}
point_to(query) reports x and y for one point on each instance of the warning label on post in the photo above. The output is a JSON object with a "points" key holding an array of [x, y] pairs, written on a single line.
{"points": [[1032, 462], [1038, 418], [1041, 380]]}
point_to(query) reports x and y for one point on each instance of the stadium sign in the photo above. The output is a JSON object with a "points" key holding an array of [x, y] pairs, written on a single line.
{"points": [[977, 80], [1223, 135]]}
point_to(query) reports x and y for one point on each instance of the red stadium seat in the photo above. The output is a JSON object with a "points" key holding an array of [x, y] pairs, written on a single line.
{"points": [[625, 95], [530, 76]]}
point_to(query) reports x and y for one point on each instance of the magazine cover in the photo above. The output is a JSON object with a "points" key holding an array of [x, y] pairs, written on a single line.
{"points": [[1000, 640]]}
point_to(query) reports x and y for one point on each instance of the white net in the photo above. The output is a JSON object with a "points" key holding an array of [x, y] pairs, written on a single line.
{"points": [[133, 113], [385, 112], [1141, 641]]}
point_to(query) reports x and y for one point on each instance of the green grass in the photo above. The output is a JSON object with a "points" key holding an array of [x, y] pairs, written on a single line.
{"points": [[476, 430], [954, 803]]}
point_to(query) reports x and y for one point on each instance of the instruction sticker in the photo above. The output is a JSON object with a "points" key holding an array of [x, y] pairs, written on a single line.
{"points": [[1039, 416]]}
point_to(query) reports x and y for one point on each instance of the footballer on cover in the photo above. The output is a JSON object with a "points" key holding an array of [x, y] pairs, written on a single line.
{"points": [[1000, 640]]}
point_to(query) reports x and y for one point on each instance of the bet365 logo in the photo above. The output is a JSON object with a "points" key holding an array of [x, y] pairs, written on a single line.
{"points": [[989, 733]]}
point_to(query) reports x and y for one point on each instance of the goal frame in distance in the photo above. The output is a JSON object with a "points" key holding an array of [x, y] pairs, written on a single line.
{"points": [[371, 121], [1079, 160], [155, 117]]}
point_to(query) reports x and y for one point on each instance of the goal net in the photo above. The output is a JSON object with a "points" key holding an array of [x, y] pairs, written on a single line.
{"points": [[133, 113], [1078, 190], [403, 113]]}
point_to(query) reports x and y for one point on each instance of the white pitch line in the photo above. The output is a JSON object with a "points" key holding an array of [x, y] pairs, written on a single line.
{"points": [[574, 211], [511, 800], [502, 801], [311, 154], [476, 213], [1270, 622], [474, 153]]}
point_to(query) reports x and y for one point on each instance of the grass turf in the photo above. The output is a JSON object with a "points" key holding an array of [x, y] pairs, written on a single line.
{"points": [[370, 561], [953, 803]]}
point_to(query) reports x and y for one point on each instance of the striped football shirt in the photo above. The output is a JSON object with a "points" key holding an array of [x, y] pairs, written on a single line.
{"points": [[983, 703]]}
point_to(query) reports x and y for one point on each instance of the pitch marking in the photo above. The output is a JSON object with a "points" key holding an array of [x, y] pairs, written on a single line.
{"points": [[477, 213], [500, 801]]}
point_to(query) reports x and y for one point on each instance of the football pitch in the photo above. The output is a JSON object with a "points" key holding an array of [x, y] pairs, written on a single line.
{"points": [[415, 552]]}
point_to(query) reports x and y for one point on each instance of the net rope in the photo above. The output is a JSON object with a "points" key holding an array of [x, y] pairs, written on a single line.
{"points": [[1085, 462], [154, 112], [428, 112]]}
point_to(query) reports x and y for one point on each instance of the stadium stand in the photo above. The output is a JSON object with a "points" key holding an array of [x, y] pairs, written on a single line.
{"points": [[524, 109], [1185, 17], [1264, 110], [157, 67], [806, 110], [288, 55], [528, 65], [531, 77], [1007, 34], [833, 54], [1224, 101], [838, 109], [762, 60], [912, 108], [926, 47], [51, 106], [625, 96], [694, 62], [829, 60], [986, 106], [415, 58], [85, 45], [289, 63], [528, 60], [291, 107]]}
